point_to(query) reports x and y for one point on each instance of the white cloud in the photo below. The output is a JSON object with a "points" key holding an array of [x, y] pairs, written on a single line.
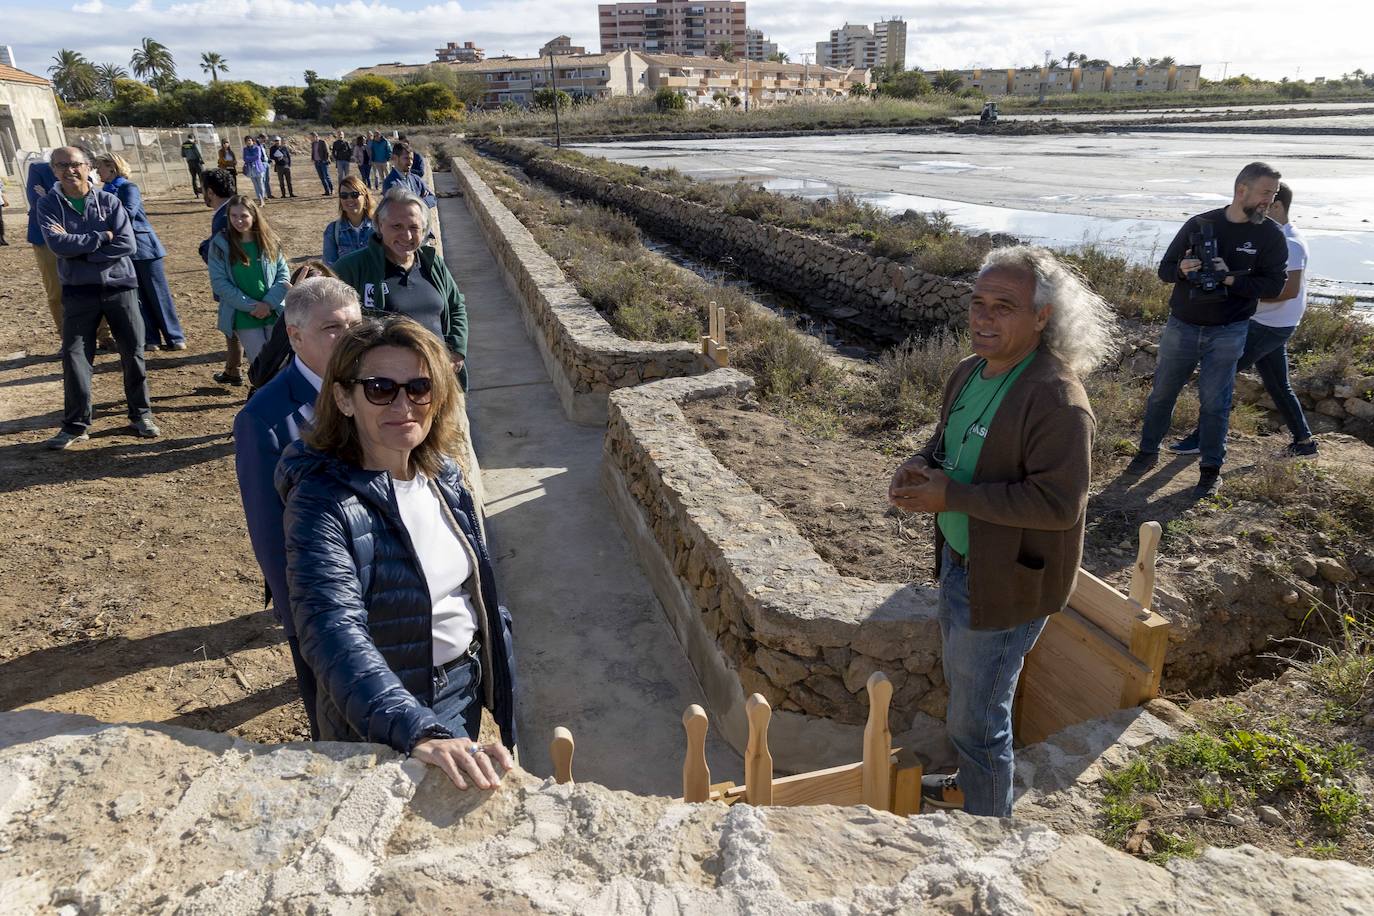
{"points": [[275, 41]]}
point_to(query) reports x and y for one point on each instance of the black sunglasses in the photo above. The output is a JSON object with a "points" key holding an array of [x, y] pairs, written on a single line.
{"points": [[382, 391], [350, 195]]}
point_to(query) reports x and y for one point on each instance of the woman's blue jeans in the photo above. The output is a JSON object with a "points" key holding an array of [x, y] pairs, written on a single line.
{"points": [[1184, 347], [981, 671], [458, 698]]}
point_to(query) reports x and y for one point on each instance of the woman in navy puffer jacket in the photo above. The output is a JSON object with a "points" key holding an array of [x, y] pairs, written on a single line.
{"points": [[392, 590]]}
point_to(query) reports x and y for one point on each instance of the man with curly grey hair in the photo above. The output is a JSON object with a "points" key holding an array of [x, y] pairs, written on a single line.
{"points": [[1006, 477]]}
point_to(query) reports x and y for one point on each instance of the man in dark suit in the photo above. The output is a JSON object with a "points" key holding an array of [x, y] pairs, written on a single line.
{"points": [[318, 312]]}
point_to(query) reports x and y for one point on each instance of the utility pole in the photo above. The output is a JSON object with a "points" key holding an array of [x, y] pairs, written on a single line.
{"points": [[1225, 66], [1044, 78], [746, 83], [557, 127], [806, 72]]}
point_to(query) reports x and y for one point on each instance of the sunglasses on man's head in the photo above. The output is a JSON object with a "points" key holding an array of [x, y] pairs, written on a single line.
{"points": [[350, 195], [381, 390]]}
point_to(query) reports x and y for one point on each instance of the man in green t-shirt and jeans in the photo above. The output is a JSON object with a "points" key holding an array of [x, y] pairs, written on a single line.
{"points": [[1006, 477], [90, 233]]}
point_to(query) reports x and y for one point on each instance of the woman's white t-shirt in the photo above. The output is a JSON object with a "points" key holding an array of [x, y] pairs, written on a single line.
{"points": [[446, 565]]}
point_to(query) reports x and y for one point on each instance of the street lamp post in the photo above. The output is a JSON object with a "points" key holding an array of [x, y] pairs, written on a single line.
{"points": [[557, 126]]}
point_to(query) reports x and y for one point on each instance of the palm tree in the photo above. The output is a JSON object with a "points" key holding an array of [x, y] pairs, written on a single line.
{"points": [[106, 74], [724, 49], [1167, 61], [947, 81], [74, 76], [213, 64], [152, 59], [1134, 62], [779, 57], [1072, 58]]}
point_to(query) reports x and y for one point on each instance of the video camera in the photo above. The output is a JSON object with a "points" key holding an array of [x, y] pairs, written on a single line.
{"points": [[1206, 279]]}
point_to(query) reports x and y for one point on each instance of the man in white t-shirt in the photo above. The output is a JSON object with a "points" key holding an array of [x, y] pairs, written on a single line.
{"points": [[1266, 343]]}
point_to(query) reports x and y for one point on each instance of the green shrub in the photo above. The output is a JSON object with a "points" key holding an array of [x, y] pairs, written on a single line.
{"points": [[666, 99]]}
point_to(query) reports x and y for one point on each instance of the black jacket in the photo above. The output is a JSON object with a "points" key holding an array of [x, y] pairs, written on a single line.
{"points": [[342, 150], [1258, 250], [361, 605]]}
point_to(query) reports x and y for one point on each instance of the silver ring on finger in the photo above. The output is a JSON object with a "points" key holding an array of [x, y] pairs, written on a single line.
{"points": [[474, 749]]}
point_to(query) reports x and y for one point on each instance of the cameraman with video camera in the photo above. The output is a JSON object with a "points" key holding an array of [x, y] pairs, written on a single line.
{"points": [[1221, 264]]}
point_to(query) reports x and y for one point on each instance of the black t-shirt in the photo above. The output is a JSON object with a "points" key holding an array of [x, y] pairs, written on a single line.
{"points": [[409, 293], [1259, 249]]}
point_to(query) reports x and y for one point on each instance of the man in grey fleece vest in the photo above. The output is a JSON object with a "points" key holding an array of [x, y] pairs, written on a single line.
{"points": [[90, 232]]}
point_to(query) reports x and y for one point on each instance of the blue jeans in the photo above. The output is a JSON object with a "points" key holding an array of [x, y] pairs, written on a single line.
{"points": [[322, 169], [341, 169], [260, 187], [458, 697], [981, 671], [1266, 349], [1182, 348], [161, 324]]}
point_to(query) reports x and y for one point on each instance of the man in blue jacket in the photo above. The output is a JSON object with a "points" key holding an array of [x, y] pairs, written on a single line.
{"points": [[318, 312], [380, 150], [402, 158], [90, 233]]}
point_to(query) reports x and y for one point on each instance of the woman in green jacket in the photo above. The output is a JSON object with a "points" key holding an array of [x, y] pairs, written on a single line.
{"points": [[397, 273], [249, 275]]}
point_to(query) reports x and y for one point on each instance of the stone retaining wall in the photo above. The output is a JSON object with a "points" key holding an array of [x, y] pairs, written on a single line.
{"points": [[877, 296], [584, 356], [753, 605]]}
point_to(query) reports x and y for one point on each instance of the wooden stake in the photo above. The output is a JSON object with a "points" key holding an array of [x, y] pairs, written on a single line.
{"points": [[906, 791], [696, 776], [561, 750], [1143, 575], [878, 744], [758, 763]]}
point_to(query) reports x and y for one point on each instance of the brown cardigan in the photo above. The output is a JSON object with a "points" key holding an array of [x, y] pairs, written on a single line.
{"points": [[1029, 494]]}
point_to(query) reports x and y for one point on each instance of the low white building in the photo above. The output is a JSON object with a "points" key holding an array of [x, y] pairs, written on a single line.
{"points": [[29, 119]]}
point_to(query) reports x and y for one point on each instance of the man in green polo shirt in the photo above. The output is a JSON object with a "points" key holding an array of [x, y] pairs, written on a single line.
{"points": [[1006, 477]]}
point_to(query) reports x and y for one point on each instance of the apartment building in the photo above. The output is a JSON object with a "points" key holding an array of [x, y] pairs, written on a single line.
{"points": [[757, 45], [560, 47], [765, 83], [1062, 80], [683, 27], [515, 80], [891, 37], [452, 52], [881, 45]]}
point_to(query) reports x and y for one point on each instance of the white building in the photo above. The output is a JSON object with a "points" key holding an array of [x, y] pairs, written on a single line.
{"points": [[882, 45], [29, 118]]}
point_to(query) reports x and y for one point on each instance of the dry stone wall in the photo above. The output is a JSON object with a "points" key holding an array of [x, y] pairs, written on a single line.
{"points": [[881, 298], [584, 356], [753, 604], [97, 818]]}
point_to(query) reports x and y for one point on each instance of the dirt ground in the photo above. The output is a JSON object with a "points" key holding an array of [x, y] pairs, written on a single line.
{"points": [[131, 592]]}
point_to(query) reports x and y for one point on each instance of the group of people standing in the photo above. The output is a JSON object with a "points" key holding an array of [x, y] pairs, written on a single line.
{"points": [[260, 160], [371, 154]]}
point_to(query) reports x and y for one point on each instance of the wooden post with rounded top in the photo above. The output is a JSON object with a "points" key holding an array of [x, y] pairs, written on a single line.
{"points": [[561, 750], [696, 776], [1143, 574], [877, 769], [758, 763]]}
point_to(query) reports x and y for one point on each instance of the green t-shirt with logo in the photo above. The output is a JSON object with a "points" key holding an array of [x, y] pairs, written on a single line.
{"points": [[965, 431], [251, 281]]}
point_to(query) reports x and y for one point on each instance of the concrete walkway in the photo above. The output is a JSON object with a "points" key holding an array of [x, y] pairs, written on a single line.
{"points": [[593, 649]]}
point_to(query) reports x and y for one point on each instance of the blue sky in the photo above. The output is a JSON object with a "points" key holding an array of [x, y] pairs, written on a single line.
{"points": [[275, 41]]}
